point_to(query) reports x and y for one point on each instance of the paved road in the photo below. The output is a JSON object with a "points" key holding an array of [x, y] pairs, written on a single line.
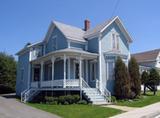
{"points": [[150, 111], [11, 108]]}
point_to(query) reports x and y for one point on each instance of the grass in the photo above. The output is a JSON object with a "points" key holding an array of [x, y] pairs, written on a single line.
{"points": [[78, 111], [144, 100]]}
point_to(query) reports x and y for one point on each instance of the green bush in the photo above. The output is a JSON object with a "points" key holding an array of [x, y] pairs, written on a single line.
{"points": [[122, 80], [68, 99], [113, 99], [82, 102]]}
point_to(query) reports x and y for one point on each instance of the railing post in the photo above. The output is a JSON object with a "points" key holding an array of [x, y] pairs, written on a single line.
{"points": [[64, 65]]}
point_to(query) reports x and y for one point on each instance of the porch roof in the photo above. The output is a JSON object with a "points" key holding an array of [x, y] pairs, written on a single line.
{"points": [[72, 52]]}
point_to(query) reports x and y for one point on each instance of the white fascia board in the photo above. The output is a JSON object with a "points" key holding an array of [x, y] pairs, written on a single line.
{"points": [[121, 26]]}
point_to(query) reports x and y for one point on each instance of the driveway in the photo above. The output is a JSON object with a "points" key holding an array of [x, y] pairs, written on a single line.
{"points": [[150, 111], [11, 108]]}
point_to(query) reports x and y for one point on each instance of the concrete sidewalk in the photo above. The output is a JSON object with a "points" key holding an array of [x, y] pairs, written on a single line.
{"points": [[150, 111], [123, 108], [11, 108]]}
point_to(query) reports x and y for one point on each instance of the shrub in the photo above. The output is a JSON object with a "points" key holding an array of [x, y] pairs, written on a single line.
{"points": [[68, 99], [122, 83], [82, 102], [113, 99], [135, 82], [144, 80]]}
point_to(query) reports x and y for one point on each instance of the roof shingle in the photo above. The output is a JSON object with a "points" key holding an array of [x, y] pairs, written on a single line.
{"points": [[146, 56]]}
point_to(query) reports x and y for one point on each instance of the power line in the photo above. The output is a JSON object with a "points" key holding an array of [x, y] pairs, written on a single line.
{"points": [[115, 8]]}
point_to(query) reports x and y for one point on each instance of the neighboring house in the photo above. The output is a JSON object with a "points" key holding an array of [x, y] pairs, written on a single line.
{"points": [[147, 60], [74, 59]]}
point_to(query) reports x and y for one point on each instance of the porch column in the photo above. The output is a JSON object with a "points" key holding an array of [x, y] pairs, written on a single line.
{"points": [[41, 76], [64, 74], [69, 68], [80, 76], [86, 71], [53, 59]]}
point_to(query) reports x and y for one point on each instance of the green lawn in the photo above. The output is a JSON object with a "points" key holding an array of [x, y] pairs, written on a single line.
{"points": [[143, 101], [77, 111]]}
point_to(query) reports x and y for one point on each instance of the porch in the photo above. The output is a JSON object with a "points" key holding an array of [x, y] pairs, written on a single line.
{"points": [[65, 69]]}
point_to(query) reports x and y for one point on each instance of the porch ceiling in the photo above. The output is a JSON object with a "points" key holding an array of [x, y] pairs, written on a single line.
{"points": [[69, 52]]}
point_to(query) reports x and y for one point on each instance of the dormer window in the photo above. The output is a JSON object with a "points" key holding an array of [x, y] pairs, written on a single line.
{"points": [[115, 41]]}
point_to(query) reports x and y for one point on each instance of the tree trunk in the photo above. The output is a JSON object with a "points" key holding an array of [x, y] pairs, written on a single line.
{"points": [[144, 90]]}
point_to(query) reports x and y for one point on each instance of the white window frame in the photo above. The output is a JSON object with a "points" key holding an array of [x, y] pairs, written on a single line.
{"points": [[107, 65], [115, 41]]}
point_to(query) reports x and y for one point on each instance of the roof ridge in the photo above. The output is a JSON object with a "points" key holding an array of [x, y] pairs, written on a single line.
{"points": [[54, 21]]}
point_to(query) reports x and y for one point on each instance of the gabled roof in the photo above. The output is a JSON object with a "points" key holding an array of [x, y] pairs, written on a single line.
{"points": [[147, 56], [100, 28], [70, 32]]}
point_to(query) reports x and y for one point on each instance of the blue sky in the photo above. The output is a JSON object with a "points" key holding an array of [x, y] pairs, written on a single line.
{"points": [[23, 21]]}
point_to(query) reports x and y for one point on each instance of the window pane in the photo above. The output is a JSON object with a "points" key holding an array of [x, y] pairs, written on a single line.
{"points": [[117, 42], [113, 41]]}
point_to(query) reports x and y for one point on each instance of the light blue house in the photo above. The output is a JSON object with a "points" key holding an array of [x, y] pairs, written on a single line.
{"points": [[73, 59]]}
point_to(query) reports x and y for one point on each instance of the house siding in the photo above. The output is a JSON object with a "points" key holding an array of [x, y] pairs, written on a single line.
{"points": [[61, 41], [23, 63], [77, 45], [93, 45], [106, 47]]}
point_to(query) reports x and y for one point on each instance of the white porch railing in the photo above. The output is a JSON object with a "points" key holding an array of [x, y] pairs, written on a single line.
{"points": [[56, 83], [50, 83], [34, 84], [72, 82]]}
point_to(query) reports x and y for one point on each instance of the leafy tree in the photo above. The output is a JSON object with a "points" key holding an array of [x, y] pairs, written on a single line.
{"points": [[7, 70], [135, 81], [154, 79], [122, 83], [144, 80]]}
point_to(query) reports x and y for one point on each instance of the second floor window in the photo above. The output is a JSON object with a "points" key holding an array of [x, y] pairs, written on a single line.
{"points": [[115, 41]]}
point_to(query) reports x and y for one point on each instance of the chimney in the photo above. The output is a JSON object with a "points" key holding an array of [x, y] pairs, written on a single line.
{"points": [[86, 25]]}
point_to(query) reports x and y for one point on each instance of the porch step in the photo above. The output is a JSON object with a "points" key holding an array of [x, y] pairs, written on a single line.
{"points": [[94, 96]]}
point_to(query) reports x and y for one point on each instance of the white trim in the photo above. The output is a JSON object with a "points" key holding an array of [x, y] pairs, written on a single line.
{"points": [[119, 23], [69, 65], [100, 64], [86, 71], [64, 74], [69, 43], [80, 72]]}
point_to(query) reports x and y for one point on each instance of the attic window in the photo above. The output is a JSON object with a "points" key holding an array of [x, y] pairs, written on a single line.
{"points": [[115, 41]]}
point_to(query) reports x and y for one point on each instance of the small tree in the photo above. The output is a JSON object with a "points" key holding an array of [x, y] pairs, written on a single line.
{"points": [[7, 71], [122, 84], [135, 81], [144, 80], [154, 79]]}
